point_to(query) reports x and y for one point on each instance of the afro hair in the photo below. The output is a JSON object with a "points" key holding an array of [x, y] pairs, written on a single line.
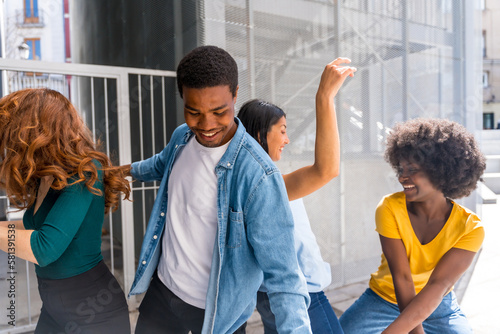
{"points": [[445, 150]]}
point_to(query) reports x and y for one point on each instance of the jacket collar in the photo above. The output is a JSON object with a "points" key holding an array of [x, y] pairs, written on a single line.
{"points": [[229, 157]]}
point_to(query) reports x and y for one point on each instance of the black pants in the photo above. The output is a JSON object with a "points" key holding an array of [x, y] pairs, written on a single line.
{"points": [[90, 303], [162, 312]]}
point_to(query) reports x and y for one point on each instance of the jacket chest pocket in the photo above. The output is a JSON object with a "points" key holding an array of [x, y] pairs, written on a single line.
{"points": [[234, 229]]}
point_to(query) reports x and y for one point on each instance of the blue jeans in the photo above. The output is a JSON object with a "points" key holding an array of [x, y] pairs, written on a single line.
{"points": [[371, 314], [323, 319]]}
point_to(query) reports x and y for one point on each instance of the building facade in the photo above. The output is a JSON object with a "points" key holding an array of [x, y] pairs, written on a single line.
{"points": [[491, 63], [35, 30]]}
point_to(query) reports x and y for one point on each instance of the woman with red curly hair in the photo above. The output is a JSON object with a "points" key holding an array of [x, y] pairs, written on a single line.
{"points": [[49, 165]]}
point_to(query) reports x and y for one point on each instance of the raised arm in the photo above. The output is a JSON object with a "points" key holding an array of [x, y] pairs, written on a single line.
{"points": [[308, 179], [449, 269], [395, 253]]}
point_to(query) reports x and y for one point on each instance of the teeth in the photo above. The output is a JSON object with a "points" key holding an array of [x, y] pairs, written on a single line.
{"points": [[211, 134], [408, 187]]}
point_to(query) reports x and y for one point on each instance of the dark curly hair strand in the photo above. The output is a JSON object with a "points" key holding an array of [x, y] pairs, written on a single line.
{"points": [[445, 150]]}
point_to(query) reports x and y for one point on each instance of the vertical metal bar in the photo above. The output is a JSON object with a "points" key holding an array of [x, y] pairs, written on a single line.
{"points": [[342, 181], [440, 82], [152, 109], [458, 58], [78, 98], [178, 43], [141, 143], [273, 83], [383, 92], [28, 290], [251, 47], [92, 106], [366, 119], [179, 49], [164, 108], [110, 215], [126, 207], [406, 51]]}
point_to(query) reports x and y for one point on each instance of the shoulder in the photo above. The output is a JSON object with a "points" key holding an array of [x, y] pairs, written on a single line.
{"points": [[252, 153], [180, 132], [393, 201], [247, 156], [466, 217]]}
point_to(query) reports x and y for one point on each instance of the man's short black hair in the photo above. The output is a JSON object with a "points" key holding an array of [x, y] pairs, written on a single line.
{"points": [[207, 66]]}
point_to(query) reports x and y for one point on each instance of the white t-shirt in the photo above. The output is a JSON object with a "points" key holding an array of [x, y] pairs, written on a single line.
{"points": [[191, 223], [316, 271]]}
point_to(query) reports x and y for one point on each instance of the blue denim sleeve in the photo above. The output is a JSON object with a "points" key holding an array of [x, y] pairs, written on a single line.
{"points": [[270, 232], [153, 169]]}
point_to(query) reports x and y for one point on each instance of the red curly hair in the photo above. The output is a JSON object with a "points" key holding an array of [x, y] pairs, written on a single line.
{"points": [[43, 135]]}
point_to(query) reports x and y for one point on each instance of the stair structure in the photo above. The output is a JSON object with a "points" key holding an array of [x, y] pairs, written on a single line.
{"points": [[491, 148]]}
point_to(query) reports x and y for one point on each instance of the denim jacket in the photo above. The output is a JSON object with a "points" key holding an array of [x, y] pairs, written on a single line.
{"points": [[254, 240]]}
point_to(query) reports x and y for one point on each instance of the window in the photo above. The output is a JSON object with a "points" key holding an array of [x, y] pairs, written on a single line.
{"points": [[35, 50], [483, 43], [488, 120], [485, 79], [31, 11]]}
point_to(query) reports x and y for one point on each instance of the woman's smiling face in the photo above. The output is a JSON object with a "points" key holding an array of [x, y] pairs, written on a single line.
{"points": [[277, 138], [416, 184]]}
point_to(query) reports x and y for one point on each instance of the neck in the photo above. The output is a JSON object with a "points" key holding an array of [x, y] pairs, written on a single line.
{"points": [[434, 207]]}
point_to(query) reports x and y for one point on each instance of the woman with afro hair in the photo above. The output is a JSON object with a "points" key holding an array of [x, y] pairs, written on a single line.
{"points": [[428, 240], [49, 165]]}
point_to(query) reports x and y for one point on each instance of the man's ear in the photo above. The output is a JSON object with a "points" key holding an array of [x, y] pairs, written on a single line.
{"points": [[258, 138], [235, 94]]}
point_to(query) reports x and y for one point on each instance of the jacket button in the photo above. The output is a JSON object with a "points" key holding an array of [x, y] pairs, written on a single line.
{"points": [[155, 237], [176, 146], [144, 262], [162, 214], [228, 164]]}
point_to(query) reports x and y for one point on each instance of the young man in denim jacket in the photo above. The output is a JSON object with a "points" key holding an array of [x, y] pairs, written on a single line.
{"points": [[221, 222]]}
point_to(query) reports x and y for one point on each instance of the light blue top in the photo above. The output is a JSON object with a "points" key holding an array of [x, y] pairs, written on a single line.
{"points": [[254, 238], [316, 271]]}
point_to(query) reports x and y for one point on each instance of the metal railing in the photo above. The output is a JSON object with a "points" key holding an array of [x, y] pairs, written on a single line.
{"points": [[104, 96]]}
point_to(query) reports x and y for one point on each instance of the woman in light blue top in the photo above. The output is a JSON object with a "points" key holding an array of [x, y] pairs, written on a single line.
{"points": [[267, 124]]}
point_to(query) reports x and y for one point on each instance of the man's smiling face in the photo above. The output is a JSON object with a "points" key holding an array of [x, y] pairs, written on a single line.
{"points": [[209, 113]]}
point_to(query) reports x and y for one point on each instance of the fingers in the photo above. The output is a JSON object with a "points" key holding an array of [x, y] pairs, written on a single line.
{"points": [[348, 70], [340, 60], [342, 70]]}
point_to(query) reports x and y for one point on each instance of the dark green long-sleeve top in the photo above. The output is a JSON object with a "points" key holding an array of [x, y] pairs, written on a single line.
{"points": [[67, 231]]}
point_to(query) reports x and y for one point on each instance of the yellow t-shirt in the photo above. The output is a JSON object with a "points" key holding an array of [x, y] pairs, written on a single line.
{"points": [[462, 230]]}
